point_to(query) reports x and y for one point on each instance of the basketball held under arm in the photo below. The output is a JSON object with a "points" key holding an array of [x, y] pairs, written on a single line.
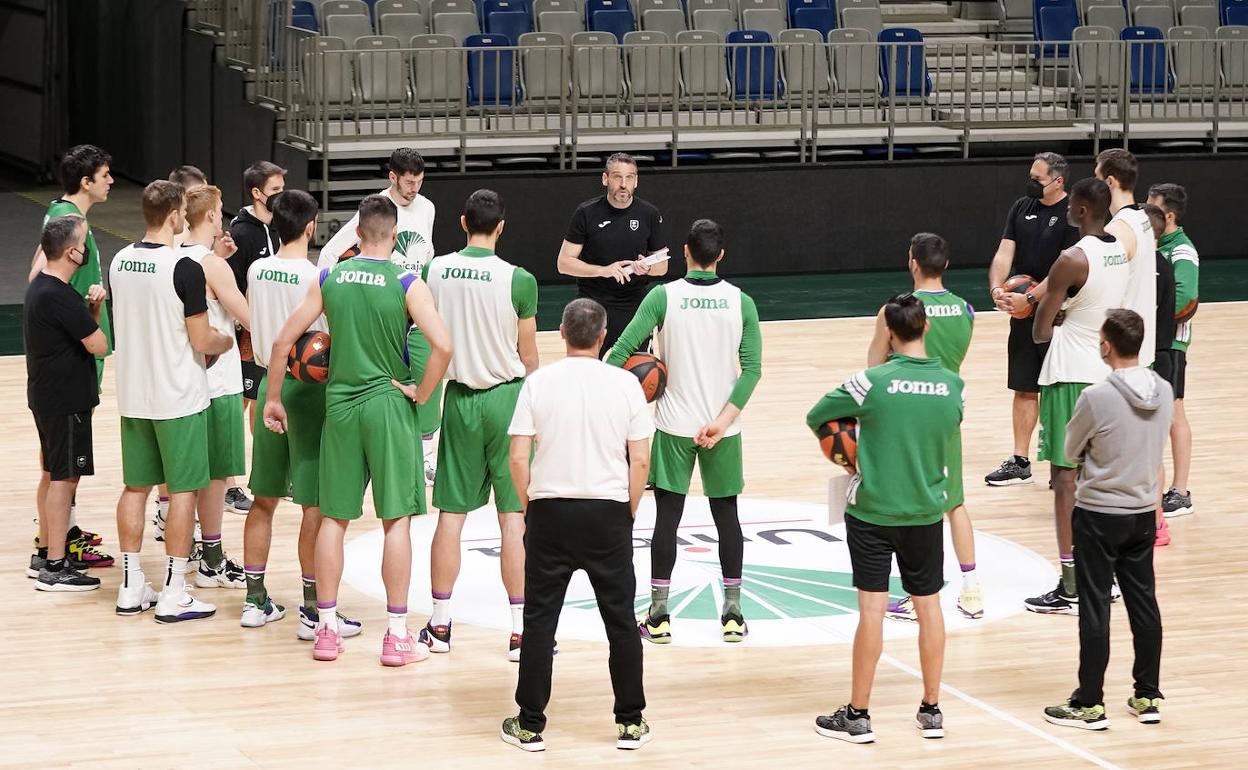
{"points": [[1069, 271]]}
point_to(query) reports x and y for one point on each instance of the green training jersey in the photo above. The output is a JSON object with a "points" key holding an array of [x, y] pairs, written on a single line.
{"points": [[906, 410], [366, 311], [1181, 253], [91, 273], [952, 321]]}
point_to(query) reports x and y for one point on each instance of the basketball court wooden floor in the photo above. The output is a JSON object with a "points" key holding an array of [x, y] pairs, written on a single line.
{"points": [[85, 688]]}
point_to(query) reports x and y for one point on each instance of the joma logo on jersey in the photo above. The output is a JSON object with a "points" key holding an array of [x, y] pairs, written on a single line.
{"points": [[699, 303], [943, 311], [466, 273], [1115, 259], [918, 388], [278, 277], [361, 276], [134, 266]]}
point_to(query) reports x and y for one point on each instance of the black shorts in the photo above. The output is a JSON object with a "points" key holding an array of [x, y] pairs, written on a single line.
{"points": [[920, 556], [252, 374], [1171, 366], [1025, 357], [65, 443]]}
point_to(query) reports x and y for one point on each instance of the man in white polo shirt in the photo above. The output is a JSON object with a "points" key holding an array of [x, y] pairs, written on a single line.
{"points": [[592, 432]]}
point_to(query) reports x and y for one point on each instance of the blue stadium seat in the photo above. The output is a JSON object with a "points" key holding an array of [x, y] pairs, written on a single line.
{"points": [[305, 21], [491, 73], [1228, 7], [909, 79], [1146, 61], [796, 5], [753, 67], [611, 16], [821, 19], [1237, 15], [303, 8], [507, 17], [1055, 20]]}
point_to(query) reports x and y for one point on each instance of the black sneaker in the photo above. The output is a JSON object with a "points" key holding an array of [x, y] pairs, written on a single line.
{"points": [[525, 740], [65, 580], [1055, 602], [1015, 470], [841, 727], [37, 563], [236, 501], [1174, 503]]}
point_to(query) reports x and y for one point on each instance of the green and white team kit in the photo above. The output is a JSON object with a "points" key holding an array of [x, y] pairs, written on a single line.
{"points": [[952, 321], [1181, 252]]}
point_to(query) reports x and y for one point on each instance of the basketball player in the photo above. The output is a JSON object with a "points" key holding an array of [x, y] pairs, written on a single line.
{"points": [[1166, 326], [708, 331], [189, 177], [226, 451], [370, 431], [162, 394], [1171, 364], [1095, 271], [606, 239], [1119, 169], [951, 321], [907, 408], [490, 307], [412, 250]]}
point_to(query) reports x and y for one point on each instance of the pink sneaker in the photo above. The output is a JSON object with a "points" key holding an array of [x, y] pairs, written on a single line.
{"points": [[328, 644], [400, 652], [1163, 535]]}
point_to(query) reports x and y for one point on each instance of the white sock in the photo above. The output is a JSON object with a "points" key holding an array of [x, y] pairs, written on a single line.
{"points": [[132, 570], [398, 624], [441, 611], [175, 574], [517, 618], [327, 617], [73, 515], [970, 579], [162, 505], [431, 446]]}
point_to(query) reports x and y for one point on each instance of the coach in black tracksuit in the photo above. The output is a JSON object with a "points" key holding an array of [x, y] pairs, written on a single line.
{"points": [[250, 231]]}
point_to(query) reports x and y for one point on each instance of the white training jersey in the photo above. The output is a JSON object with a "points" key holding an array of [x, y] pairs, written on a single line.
{"points": [[1142, 285], [413, 248], [225, 377], [275, 287], [1075, 352], [700, 338], [159, 375]]}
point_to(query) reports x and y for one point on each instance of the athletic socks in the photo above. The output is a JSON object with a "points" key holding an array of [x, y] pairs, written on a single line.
{"points": [[131, 568], [398, 620], [970, 579], [1067, 561], [214, 555], [327, 616], [175, 574], [42, 552], [517, 614], [309, 593], [441, 609], [854, 713], [658, 597], [928, 708], [732, 596], [257, 594], [56, 565]]}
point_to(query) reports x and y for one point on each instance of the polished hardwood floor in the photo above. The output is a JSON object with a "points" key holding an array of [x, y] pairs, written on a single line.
{"points": [[85, 688]]}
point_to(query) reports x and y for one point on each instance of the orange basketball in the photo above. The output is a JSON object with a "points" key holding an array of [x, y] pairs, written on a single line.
{"points": [[839, 441], [1020, 284], [1187, 312], [651, 372], [309, 357], [244, 345]]}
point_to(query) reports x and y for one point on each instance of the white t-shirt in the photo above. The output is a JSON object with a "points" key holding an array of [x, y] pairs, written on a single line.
{"points": [[275, 287], [1141, 295], [412, 250], [225, 377], [582, 413]]}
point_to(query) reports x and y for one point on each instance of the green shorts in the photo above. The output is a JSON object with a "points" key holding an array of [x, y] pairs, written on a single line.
{"points": [[172, 452], [375, 440], [953, 467], [1057, 404], [227, 449], [475, 451], [289, 463], [672, 458], [429, 413]]}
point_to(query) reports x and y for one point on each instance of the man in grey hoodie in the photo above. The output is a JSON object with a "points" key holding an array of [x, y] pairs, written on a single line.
{"points": [[1118, 432]]}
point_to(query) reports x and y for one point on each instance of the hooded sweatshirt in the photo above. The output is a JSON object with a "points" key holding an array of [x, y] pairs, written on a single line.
{"points": [[254, 241], [1118, 432]]}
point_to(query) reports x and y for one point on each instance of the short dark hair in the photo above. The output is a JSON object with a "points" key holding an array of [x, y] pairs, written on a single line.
{"points": [[406, 160], [1058, 166], [378, 216], [483, 211], [188, 177], [705, 242], [1156, 217], [160, 198], [1124, 331], [620, 157], [583, 320], [59, 234], [292, 211], [1094, 193], [1173, 198], [906, 317], [931, 252], [1121, 165], [77, 162], [255, 176]]}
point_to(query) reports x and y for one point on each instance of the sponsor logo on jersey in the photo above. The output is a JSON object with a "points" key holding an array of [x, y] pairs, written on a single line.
{"points": [[918, 388], [135, 266], [1030, 217], [633, 224], [406, 240], [1116, 259], [277, 276], [466, 273], [1052, 221], [362, 277], [703, 303], [943, 311]]}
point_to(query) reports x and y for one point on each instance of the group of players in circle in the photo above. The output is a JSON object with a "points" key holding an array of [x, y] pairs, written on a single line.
{"points": [[404, 321]]}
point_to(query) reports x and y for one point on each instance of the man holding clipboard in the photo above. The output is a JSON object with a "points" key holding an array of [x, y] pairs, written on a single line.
{"points": [[614, 246]]}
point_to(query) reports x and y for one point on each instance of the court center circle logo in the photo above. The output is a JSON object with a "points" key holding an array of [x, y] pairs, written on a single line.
{"points": [[797, 581]]}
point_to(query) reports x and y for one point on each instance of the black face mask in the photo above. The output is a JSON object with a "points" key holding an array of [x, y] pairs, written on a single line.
{"points": [[1034, 189]]}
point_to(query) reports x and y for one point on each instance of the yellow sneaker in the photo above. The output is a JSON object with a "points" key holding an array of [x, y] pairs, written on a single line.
{"points": [[656, 630], [735, 629]]}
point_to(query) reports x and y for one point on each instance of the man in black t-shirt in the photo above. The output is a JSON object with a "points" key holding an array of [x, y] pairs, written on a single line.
{"points": [[606, 239], [62, 337], [1036, 233]]}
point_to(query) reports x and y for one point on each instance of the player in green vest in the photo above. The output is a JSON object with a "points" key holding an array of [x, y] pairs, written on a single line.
{"points": [[948, 337], [371, 431]]}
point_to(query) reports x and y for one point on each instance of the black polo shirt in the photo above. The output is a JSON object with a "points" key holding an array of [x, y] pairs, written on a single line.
{"points": [[608, 235], [60, 373], [1040, 234]]}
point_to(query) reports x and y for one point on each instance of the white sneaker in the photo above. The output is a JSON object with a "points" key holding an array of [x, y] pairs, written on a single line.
{"points": [[137, 598], [431, 471], [1115, 593], [175, 607], [255, 616], [306, 632], [228, 575], [162, 512]]}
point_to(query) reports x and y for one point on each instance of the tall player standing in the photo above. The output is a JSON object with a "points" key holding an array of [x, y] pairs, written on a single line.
{"points": [[1119, 170], [708, 332], [371, 431], [490, 307], [412, 251]]}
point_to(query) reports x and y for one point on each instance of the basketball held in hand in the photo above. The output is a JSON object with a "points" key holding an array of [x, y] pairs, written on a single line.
{"points": [[1020, 284], [839, 441], [309, 358], [651, 372]]}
